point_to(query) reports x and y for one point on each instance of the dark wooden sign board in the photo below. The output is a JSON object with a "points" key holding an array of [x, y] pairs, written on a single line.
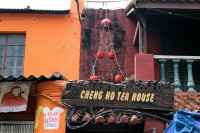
{"points": [[128, 95]]}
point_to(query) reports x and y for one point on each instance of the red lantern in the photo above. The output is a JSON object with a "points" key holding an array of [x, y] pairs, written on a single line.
{"points": [[134, 120], [86, 118], [106, 22], [100, 54], [99, 120], [124, 119], [111, 55], [94, 78], [74, 118], [118, 78]]}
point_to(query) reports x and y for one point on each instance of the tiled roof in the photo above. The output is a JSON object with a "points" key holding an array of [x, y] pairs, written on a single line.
{"points": [[35, 6], [187, 101], [54, 76]]}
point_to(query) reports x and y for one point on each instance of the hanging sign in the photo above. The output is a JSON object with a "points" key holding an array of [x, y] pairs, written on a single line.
{"points": [[14, 96], [130, 94]]}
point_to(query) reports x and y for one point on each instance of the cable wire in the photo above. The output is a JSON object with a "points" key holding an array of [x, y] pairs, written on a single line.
{"points": [[113, 50], [109, 111], [53, 100], [175, 14], [85, 38], [111, 42]]}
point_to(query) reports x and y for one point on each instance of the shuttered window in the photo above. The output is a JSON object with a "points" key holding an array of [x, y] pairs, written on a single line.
{"points": [[16, 126]]}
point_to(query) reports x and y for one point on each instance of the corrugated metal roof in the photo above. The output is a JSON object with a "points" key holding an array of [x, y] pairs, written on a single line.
{"points": [[35, 6], [34, 11], [54, 76]]}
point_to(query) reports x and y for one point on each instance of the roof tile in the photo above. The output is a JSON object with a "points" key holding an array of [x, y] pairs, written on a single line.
{"points": [[187, 101]]}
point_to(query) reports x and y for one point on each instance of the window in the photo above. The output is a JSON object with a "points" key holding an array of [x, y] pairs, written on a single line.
{"points": [[12, 54]]}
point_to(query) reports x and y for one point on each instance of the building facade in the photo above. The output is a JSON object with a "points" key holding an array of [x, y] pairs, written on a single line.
{"points": [[37, 39], [44, 49]]}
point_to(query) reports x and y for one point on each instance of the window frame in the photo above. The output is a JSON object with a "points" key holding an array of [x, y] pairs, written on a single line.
{"points": [[4, 56]]}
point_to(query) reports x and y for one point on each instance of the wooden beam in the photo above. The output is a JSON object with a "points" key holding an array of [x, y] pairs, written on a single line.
{"points": [[136, 34], [177, 57], [130, 11], [142, 33]]}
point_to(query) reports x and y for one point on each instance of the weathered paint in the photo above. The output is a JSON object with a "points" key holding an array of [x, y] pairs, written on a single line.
{"points": [[52, 41], [48, 92], [122, 31]]}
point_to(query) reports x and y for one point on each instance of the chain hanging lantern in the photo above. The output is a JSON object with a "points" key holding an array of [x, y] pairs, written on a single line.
{"points": [[111, 55]]}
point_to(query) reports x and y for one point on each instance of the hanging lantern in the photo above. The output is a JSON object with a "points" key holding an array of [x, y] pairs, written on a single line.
{"points": [[99, 120], [106, 22], [112, 118], [86, 118], [100, 54], [118, 78], [74, 118], [134, 119], [94, 78], [111, 55], [124, 119]]}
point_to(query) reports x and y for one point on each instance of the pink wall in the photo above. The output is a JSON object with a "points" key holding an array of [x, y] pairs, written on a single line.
{"points": [[122, 32], [144, 67]]}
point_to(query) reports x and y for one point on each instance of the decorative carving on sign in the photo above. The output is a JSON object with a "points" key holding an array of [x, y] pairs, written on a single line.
{"points": [[129, 94]]}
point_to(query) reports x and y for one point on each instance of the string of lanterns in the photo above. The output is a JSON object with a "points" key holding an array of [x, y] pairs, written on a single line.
{"points": [[106, 23]]}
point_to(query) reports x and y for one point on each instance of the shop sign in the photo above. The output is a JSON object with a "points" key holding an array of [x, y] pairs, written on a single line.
{"points": [[52, 117], [14, 96], [130, 94]]}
